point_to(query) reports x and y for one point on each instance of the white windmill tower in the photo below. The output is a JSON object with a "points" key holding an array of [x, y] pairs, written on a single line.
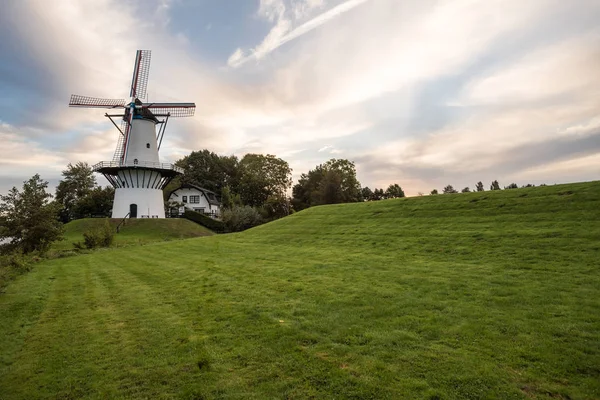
{"points": [[135, 171]]}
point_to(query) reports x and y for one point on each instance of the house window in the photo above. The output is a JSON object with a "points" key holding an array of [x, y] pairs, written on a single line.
{"points": [[184, 199], [200, 210], [147, 145], [194, 199]]}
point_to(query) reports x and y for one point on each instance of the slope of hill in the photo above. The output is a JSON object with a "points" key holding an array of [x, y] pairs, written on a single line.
{"points": [[134, 231], [481, 295]]}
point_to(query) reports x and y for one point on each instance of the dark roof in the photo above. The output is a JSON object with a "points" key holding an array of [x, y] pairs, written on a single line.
{"points": [[214, 201]]}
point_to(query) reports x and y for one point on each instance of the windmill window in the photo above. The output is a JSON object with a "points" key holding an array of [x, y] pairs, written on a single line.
{"points": [[184, 199], [194, 199], [147, 145]]}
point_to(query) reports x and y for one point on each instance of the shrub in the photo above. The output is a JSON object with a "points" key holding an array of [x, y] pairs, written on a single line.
{"points": [[239, 218], [97, 237], [208, 222], [12, 264]]}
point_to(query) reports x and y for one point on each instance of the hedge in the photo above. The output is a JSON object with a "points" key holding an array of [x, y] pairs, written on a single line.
{"points": [[208, 222]]}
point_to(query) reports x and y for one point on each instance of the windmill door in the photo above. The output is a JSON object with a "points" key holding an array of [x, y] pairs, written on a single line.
{"points": [[133, 211]]}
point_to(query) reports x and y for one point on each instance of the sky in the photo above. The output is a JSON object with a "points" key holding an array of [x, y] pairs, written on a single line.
{"points": [[422, 93]]}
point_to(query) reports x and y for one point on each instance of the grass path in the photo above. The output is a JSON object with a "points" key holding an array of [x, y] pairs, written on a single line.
{"points": [[493, 295]]}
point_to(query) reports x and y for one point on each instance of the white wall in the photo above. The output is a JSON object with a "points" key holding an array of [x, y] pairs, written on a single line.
{"points": [[143, 132], [149, 202]]}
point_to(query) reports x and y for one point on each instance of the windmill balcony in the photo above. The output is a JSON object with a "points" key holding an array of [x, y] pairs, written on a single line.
{"points": [[109, 166]]}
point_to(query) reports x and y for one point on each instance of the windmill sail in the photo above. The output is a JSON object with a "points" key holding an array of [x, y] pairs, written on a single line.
{"points": [[172, 109], [141, 70], [95, 102]]}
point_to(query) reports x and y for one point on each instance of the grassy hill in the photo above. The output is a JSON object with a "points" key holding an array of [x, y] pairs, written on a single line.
{"points": [[134, 231], [481, 295]]}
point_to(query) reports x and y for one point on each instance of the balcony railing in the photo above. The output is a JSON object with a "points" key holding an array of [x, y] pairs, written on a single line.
{"points": [[138, 164]]}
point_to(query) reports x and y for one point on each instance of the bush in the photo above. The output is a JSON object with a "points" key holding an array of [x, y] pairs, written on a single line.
{"points": [[208, 222], [240, 218], [97, 237], [12, 264]]}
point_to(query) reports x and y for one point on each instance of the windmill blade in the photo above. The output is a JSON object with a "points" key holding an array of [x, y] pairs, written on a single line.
{"points": [[141, 69], [126, 131], [95, 102], [120, 149], [123, 137], [172, 109]]}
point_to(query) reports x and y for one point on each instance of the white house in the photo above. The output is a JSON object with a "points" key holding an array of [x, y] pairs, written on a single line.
{"points": [[197, 199]]}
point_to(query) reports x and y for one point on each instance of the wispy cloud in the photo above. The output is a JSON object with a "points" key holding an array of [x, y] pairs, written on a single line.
{"points": [[329, 150], [282, 33]]}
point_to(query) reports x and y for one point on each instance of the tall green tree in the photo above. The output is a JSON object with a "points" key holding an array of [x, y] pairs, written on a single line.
{"points": [[330, 189], [394, 191], [306, 192], [78, 181], [98, 202], [329, 183], [209, 170], [263, 177], [495, 185], [479, 186], [28, 218], [349, 184]]}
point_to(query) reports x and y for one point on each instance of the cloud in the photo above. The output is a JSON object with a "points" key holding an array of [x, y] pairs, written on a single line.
{"points": [[25, 156], [235, 57], [547, 72], [303, 8], [281, 33], [329, 150], [376, 82]]}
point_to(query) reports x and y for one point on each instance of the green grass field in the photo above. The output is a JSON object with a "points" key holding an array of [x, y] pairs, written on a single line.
{"points": [[467, 296], [134, 231]]}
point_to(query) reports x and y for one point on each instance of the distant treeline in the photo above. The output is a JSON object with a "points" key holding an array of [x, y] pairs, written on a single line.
{"points": [[479, 188]]}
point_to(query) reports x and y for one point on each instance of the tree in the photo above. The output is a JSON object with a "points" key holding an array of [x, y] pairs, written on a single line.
{"points": [[229, 199], [276, 207], [329, 183], [98, 202], [511, 186], [394, 191], [262, 177], [348, 183], [378, 194], [479, 186], [367, 193], [495, 186], [29, 220], [208, 170], [433, 192], [466, 190], [330, 189], [449, 189], [78, 181]]}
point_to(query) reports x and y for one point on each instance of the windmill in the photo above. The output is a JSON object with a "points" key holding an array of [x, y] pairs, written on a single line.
{"points": [[135, 171]]}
